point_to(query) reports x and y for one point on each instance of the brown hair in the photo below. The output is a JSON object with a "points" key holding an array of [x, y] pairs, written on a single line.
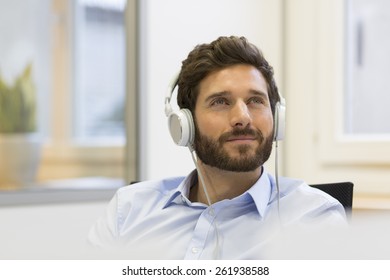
{"points": [[219, 54]]}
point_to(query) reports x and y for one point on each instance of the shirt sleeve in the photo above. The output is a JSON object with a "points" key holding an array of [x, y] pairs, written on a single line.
{"points": [[331, 213], [104, 233]]}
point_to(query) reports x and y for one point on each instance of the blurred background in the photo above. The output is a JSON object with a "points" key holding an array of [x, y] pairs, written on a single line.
{"points": [[100, 69]]}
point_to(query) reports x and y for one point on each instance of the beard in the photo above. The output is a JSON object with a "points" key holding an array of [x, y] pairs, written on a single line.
{"points": [[212, 152]]}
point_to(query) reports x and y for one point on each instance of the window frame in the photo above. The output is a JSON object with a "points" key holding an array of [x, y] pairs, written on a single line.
{"points": [[316, 150], [337, 147], [60, 150]]}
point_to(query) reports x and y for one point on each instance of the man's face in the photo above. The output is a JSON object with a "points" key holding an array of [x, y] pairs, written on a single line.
{"points": [[233, 119]]}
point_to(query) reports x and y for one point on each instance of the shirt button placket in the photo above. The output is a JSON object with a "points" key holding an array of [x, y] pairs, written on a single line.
{"points": [[200, 234]]}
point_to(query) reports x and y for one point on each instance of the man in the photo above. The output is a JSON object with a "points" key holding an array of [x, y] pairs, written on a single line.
{"points": [[229, 207]]}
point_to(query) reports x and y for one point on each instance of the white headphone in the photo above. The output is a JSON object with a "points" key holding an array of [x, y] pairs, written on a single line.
{"points": [[181, 123]]}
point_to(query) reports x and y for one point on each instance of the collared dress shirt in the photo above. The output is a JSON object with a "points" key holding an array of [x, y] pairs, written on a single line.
{"points": [[156, 220]]}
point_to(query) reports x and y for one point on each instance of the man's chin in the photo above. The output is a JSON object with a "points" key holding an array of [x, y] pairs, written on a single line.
{"points": [[241, 168], [242, 157], [241, 151]]}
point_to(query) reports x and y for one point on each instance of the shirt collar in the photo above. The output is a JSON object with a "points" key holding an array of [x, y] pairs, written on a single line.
{"points": [[260, 192], [181, 193]]}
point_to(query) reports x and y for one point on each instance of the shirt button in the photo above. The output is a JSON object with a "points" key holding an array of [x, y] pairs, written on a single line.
{"points": [[195, 250]]}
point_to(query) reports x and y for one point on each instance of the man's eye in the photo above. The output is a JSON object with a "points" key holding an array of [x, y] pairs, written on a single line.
{"points": [[219, 101], [256, 100]]}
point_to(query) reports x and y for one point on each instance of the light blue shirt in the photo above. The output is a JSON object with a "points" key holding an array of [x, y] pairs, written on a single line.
{"points": [[156, 220]]}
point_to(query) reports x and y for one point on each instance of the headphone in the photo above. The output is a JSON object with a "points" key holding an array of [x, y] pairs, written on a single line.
{"points": [[181, 123]]}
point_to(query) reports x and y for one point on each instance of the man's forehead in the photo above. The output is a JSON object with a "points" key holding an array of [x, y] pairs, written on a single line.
{"points": [[232, 80]]}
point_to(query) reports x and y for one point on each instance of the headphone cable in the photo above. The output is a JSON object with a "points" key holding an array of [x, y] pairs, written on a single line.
{"points": [[277, 181], [212, 210]]}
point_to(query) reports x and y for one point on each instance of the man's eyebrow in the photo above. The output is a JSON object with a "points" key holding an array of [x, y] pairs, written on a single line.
{"points": [[227, 93], [259, 92]]}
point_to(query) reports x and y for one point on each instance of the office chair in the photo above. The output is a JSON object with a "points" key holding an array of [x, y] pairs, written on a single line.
{"points": [[342, 191]]}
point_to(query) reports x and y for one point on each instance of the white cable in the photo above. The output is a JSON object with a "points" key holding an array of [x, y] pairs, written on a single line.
{"points": [[212, 211], [201, 179], [277, 180]]}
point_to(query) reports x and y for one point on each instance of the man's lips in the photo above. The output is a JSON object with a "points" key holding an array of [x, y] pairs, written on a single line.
{"points": [[241, 138], [246, 136]]}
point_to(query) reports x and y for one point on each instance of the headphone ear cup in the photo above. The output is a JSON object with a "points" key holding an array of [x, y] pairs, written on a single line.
{"points": [[279, 121], [181, 127]]}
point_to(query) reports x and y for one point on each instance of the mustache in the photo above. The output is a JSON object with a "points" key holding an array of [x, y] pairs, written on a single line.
{"points": [[239, 132]]}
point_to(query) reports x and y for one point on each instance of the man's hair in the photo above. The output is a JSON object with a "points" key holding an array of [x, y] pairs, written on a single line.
{"points": [[219, 54]]}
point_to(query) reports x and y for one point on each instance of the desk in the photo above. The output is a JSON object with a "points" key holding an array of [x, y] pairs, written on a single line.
{"points": [[51, 220], [62, 191]]}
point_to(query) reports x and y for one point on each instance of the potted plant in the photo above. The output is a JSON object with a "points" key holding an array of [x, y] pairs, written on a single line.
{"points": [[19, 141]]}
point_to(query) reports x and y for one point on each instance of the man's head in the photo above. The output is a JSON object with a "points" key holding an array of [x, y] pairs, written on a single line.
{"points": [[229, 88], [221, 53]]}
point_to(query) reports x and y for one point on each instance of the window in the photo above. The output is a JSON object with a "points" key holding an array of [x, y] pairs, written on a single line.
{"points": [[78, 52], [99, 70], [368, 61], [321, 146], [88, 56], [24, 39], [352, 85]]}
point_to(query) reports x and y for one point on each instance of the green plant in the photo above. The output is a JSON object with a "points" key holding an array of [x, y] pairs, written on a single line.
{"points": [[18, 104]]}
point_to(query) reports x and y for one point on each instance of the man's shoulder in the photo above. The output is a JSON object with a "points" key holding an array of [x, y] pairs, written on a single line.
{"points": [[145, 195], [298, 187], [151, 186]]}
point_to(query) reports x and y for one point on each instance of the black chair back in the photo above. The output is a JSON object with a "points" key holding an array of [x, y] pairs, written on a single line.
{"points": [[342, 191]]}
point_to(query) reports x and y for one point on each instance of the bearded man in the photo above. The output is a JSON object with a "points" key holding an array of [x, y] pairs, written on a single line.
{"points": [[229, 207]]}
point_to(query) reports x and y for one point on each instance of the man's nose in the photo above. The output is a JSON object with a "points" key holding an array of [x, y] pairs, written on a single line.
{"points": [[240, 115]]}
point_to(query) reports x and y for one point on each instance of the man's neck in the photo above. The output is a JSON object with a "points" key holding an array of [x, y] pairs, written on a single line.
{"points": [[222, 184]]}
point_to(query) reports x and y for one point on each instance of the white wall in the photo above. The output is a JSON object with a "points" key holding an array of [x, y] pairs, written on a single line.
{"points": [[169, 30]]}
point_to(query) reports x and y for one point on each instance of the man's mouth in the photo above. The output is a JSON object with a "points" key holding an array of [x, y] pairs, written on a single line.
{"points": [[246, 136], [241, 138]]}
